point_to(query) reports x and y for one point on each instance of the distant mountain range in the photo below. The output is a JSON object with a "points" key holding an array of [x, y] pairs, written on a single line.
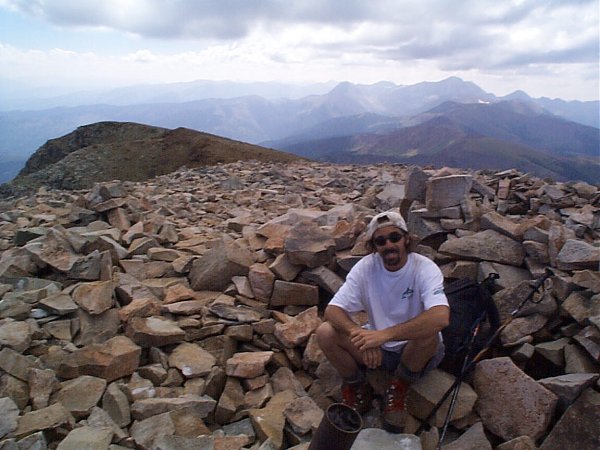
{"points": [[450, 122], [502, 135]]}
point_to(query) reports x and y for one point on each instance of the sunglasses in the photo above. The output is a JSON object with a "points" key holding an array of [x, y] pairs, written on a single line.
{"points": [[394, 237]]}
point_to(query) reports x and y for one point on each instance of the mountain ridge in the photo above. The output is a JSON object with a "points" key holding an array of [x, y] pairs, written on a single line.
{"points": [[477, 135], [383, 107]]}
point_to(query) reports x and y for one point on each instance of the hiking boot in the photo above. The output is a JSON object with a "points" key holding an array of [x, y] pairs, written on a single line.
{"points": [[357, 396], [394, 413]]}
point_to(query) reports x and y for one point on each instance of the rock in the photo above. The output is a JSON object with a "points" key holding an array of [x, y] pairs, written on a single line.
{"points": [[95, 297], [88, 438], [502, 224], [116, 404], [35, 441], [192, 360], [577, 254], [237, 313], [140, 307], [425, 394], [213, 271], [270, 420], [230, 401], [145, 432], [424, 228], [16, 389], [473, 439], [284, 269], [521, 327], [177, 293], [261, 280], [284, 379], [42, 383], [287, 293], [324, 278], [80, 395], [581, 307], [579, 426], [193, 259], [588, 279], [9, 417], [59, 303], [553, 351], [527, 406], [303, 415], [155, 331], [248, 364], [308, 245], [49, 418], [97, 329], [568, 387], [486, 245], [16, 364], [184, 443], [520, 443], [443, 192], [416, 184], [370, 438], [15, 335], [116, 358], [297, 330], [148, 407], [54, 249], [578, 361], [589, 338]]}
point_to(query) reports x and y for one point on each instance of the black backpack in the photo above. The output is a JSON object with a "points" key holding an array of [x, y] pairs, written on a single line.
{"points": [[471, 305]]}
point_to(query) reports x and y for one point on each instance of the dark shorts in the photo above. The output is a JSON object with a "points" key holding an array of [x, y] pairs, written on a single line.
{"points": [[392, 362]]}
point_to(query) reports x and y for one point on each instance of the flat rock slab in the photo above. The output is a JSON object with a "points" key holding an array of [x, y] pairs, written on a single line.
{"points": [[486, 245], [155, 331], [88, 438], [375, 438], [248, 364]]}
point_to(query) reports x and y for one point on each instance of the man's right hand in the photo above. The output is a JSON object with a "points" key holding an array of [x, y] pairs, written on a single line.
{"points": [[372, 357]]}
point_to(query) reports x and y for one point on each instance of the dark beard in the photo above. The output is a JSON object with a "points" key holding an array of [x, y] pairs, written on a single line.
{"points": [[391, 257]]}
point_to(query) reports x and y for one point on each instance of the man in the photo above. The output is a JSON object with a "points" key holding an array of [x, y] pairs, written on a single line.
{"points": [[403, 295]]}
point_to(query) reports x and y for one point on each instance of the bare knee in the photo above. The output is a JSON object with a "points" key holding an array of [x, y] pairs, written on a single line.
{"points": [[427, 343], [326, 335], [418, 352]]}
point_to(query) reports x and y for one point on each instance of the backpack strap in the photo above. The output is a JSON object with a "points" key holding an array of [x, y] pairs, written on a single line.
{"points": [[487, 290]]}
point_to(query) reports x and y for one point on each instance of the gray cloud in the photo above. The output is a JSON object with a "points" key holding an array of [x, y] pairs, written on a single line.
{"points": [[465, 34]]}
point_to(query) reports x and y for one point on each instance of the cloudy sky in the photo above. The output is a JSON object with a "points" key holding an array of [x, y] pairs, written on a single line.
{"points": [[546, 48]]}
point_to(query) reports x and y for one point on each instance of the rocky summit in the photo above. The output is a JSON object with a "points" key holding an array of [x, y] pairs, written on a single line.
{"points": [[105, 151], [180, 312]]}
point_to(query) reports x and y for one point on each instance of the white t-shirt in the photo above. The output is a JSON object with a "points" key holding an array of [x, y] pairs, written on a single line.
{"points": [[390, 298]]}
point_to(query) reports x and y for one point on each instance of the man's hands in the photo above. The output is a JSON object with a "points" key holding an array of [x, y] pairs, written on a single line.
{"points": [[369, 343]]}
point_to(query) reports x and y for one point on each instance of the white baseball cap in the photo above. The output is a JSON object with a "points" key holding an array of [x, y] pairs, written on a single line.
{"points": [[385, 219]]}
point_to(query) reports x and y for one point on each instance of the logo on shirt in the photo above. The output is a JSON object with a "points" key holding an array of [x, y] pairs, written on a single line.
{"points": [[407, 293], [438, 291]]}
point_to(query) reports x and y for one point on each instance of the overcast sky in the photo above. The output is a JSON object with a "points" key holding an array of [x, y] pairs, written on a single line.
{"points": [[546, 48]]}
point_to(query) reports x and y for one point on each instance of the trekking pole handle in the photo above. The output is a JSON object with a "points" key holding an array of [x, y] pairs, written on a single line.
{"points": [[536, 287]]}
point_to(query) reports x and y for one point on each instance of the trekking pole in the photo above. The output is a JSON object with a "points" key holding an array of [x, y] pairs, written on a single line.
{"points": [[539, 282], [462, 373], [535, 288]]}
